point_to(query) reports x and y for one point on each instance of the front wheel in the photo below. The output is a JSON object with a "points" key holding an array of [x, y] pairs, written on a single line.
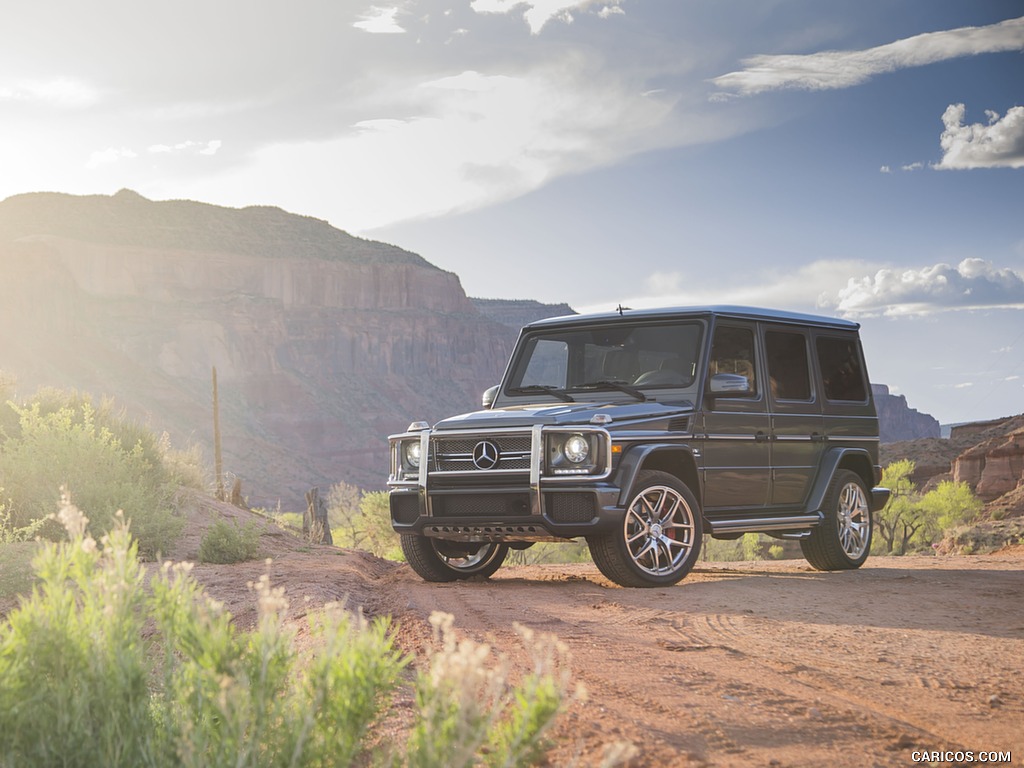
{"points": [[439, 560], [659, 539], [843, 539]]}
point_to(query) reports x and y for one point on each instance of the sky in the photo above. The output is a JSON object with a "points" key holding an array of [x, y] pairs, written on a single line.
{"points": [[862, 160]]}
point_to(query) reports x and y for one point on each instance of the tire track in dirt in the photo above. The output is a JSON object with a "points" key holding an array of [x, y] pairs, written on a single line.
{"points": [[752, 665]]}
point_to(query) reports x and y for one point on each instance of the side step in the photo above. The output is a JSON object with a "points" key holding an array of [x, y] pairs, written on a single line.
{"points": [[798, 525]]}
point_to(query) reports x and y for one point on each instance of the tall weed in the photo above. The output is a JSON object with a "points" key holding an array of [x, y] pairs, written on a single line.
{"points": [[98, 670], [470, 714]]}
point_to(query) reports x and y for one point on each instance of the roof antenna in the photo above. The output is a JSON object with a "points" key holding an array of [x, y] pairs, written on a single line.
{"points": [[620, 309]]}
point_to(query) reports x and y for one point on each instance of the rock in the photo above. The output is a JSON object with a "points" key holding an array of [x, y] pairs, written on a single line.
{"points": [[898, 421], [994, 467]]}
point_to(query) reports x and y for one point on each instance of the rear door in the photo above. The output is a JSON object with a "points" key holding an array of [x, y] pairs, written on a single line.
{"points": [[797, 427], [849, 414]]}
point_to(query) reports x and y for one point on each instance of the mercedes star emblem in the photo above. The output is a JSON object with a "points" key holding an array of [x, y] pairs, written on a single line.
{"points": [[486, 455]]}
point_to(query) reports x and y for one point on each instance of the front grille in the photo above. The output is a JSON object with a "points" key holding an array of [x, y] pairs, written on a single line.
{"points": [[455, 454], [484, 505], [570, 507], [405, 509]]}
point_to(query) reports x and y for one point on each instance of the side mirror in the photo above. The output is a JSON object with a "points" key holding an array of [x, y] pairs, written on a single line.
{"points": [[729, 383], [489, 395]]}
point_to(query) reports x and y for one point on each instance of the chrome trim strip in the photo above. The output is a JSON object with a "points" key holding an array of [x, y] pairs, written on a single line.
{"points": [[536, 456]]}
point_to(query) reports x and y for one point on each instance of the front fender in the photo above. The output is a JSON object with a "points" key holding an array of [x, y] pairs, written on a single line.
{"points": [[674, 458]]}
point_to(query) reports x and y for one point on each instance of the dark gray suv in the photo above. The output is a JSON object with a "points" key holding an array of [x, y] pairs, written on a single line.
{"points": [[643, 430]]}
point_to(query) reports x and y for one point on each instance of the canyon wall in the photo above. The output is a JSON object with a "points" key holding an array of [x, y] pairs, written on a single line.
{"points": [[318, 359]]}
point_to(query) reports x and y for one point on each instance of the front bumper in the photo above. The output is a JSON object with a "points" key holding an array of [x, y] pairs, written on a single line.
{"points": [[510, 514]]}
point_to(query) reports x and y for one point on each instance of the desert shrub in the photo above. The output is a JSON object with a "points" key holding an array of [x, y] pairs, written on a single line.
{"points": [[105, 461], [16, 577], [225, 543], [468, 714], [374, 526], [98, 671], [362, 520]]}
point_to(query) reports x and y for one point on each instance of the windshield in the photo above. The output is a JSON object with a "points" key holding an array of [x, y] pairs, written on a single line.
{"points": [[634, 361]]}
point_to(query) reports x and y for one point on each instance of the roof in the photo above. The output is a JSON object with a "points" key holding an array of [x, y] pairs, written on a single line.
{"points": [[746, 313]]}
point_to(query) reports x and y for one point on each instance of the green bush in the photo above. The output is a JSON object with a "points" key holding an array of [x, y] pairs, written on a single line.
{"points": [[98, 671], [226, 543], [105, 461]]}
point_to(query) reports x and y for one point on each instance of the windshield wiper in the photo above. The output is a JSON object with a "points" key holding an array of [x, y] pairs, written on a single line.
{"points": [[619, 385], [546, 389]]}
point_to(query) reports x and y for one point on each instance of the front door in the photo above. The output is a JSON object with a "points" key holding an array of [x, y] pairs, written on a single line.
{"points": [[736, 429]]}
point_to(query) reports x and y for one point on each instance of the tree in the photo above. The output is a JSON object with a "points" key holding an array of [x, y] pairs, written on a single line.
{"points": [[947, 506], [911, 519], [897, 522]]}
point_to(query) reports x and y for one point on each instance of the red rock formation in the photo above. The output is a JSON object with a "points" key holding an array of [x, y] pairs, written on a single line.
{"points": [[994, 467]]}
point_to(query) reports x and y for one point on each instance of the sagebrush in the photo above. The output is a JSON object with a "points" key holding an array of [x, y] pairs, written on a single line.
{"points": [[99, 670], [106, 461]]}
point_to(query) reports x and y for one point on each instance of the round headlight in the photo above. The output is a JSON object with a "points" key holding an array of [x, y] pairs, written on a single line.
{"points": [[577, 449], [412, 453]]}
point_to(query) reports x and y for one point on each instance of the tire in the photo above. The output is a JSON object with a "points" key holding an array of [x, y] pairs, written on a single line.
{"points": [[660, 536], [438, 560], [843, 539]]}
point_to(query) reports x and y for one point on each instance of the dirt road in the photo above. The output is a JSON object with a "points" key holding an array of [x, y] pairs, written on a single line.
{"points": [[742, 664]]}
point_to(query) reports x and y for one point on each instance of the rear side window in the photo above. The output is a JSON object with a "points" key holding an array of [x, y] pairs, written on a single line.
{"points": [[788, 372], [842, 374]]}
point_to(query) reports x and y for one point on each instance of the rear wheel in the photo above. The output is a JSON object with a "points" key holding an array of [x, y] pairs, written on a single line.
{"points": [[660, 536], [440, 560], [843, 539]]}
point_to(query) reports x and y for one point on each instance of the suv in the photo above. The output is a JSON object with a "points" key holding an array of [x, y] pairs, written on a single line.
{"points": [[642, 431]]}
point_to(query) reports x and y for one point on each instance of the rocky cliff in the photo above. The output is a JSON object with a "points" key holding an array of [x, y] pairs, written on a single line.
{"points": [[323, 343], [988, 456], [515, 313], [898, 421]]}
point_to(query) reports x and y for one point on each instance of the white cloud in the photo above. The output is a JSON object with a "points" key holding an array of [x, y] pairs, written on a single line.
{"points": [[191, 147], [539, 12], [472, 139], [60, 92], [380, 21], [999, 144], [912, 167], [108, 156], [803, 289], [885, 169], [842, 69], [972, 284]]}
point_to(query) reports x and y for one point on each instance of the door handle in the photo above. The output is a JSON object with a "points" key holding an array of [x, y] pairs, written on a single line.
{"points": [[760, 437]]}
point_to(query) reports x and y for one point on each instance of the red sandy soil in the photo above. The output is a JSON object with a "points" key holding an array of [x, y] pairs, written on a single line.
{"points": [[741, 664]]}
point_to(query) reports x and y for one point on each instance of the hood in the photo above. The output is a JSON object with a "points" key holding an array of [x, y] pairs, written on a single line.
{"points": [[558, 414]]}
